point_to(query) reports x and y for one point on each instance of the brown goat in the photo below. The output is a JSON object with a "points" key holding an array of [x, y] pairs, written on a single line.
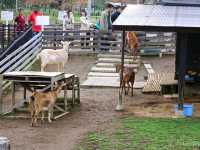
{"points": [[41, 100], [132, 43], [128, 78]]}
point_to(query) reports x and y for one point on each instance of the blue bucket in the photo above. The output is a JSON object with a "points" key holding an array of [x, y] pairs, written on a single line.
{"points": [[187, 109]]}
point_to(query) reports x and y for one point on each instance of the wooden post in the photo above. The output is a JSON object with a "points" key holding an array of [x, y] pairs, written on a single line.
{"points": [[9, 35], [73, 91], [182, 41], [1, 94], [3, 36], [65, 97], [13, 94], [78, 90], [120, 105], [24, 93]]}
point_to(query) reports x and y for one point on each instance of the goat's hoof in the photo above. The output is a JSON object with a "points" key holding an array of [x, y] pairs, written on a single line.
{"points": [[50, 121]]}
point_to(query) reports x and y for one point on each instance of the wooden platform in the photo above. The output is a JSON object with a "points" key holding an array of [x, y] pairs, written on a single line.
{"points": [[44, 81], [155, 80]]}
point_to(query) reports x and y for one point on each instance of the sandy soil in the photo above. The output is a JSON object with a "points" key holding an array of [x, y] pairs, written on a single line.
{"points": [[96, 110]]}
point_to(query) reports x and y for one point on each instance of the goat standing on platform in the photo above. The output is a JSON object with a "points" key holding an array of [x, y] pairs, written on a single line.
{"points": [[58, 57], [128, 78]]}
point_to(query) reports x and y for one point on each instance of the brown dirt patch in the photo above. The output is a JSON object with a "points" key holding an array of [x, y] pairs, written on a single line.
{"points": [[97, 109]]}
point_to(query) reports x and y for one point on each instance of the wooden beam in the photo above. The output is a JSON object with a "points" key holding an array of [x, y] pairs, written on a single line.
{"points": [[1, 94], [182, 44], [120, 102]]}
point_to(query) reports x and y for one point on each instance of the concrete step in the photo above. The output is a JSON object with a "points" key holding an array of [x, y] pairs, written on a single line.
{"points": [[108, 65], [99, 74], [117, 60], [112, 65], [103, 70], [115, 56], [102, 82], [108, 82]]}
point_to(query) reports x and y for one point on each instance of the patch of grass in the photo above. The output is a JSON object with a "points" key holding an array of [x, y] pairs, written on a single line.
{"points": [[146, 134]]}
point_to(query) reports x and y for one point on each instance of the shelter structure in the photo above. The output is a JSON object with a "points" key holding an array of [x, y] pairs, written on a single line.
{"points": [[183, 20]]}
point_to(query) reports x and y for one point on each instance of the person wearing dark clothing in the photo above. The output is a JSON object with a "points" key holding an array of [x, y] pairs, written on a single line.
{"points": [[105, 26], [116, 14], [20, 22]]}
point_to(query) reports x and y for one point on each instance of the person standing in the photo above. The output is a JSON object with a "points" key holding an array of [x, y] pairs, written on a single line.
{"points": [[106, 25], [32, 20], [116, 14], [20, 22], [105, 19], [69, 20], [85, 25]]}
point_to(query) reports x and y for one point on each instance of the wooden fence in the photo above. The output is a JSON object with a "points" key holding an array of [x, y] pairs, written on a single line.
{"points": [[81, 39], [7, 34]]}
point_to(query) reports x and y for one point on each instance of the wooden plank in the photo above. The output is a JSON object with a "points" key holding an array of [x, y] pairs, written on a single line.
{"points": [[16, 57], [1, 94], [20, 49], [22, 59], [33, 74]]}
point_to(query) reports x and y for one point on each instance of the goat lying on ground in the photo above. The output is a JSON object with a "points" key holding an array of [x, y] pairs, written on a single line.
{"points": [[128, 78], [132, 43], [59, 57], [40, 101]]}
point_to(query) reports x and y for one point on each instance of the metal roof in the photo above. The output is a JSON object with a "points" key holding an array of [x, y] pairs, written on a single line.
{"points": [[181, 2], [159, 18]]}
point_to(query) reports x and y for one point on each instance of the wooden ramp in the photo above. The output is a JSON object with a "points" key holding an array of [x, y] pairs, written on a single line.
{"points": [[155, 79]]}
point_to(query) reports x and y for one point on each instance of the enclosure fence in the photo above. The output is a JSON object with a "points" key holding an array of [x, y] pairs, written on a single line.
{"points": [[81, 39], [7, 35]]}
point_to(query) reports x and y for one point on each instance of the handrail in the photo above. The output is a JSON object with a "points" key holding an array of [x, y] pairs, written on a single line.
{"points": [[16, 43]]}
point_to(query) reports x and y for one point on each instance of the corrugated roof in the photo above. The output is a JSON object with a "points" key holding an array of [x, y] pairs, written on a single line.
{"points": [[181, 2], [151, 17]]}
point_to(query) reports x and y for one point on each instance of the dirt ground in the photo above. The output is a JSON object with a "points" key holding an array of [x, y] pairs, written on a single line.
{"points": [[96, 110]]}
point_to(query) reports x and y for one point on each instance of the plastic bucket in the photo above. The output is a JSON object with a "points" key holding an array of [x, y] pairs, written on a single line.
{"points": [[187, 109]]}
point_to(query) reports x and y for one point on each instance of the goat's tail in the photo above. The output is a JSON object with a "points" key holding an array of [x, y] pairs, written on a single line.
{"points": [[31, 106], [32, 98], [38, 56]]}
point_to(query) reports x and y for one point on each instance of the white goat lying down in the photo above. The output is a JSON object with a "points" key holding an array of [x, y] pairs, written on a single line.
{"points": [[59, 57]]}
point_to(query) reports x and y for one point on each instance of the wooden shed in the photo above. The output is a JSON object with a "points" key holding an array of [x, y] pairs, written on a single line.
{"points": [[183, 20]]}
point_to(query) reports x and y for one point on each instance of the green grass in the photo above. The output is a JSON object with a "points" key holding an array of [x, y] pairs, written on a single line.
{"points": [[146, 134]]}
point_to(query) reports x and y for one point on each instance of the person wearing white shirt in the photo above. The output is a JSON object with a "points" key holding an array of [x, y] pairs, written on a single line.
{"points": [[85, 25]]}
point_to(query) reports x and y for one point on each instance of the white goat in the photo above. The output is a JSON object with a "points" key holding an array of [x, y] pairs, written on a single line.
{"points": [[59, 57]]}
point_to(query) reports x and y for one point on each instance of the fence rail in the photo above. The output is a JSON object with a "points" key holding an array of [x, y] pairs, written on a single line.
{"points": [[81, 39], [7, 35], [22, 56]]}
